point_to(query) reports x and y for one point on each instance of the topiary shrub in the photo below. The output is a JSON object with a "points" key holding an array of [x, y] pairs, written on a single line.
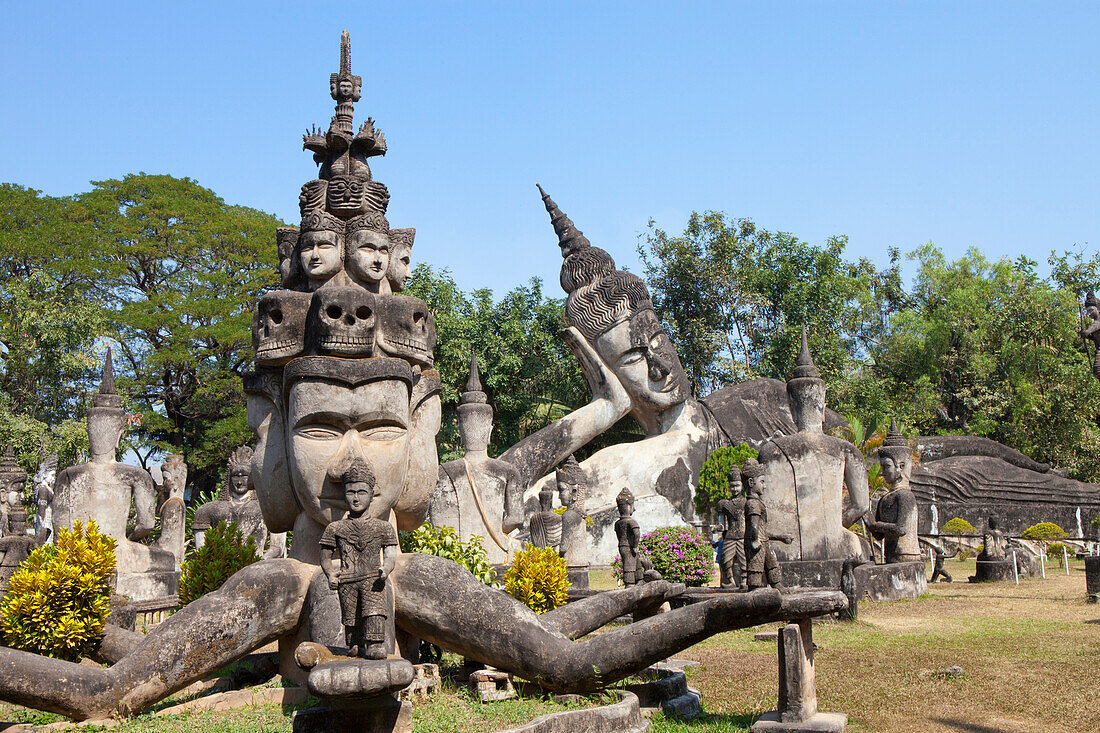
{"points": [[714, 477], [59, 597], [958, 525], [428, 539], [223, 554], [1044, 532], [679, 554], [538, 578]]}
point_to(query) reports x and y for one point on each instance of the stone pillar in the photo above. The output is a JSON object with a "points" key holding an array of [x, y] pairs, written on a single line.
{"points": [[1092, 577], [797, 689]]}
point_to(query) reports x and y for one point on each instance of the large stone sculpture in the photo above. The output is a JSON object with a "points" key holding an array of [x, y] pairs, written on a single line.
{"points": [[378, 399], [816, 484], [15, 546], [572, 489], [1091, 332], [895, 520], [102, 490], [44, 479], [732, 511], [476, 494], [544, 528], [993, 562], [13, 480], [761, 566], [237, 503]]}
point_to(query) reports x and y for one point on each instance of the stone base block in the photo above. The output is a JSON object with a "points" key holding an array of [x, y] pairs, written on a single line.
{"points": [[891, 582], [579, 578], [991, 571], [426, 683], [1092, 576], [389, 716], [819, 723], [147, 586], [493, 685]]}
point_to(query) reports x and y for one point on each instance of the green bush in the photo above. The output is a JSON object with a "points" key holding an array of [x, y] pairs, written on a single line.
{"points": [[538, 578], [59, 597], [224, 552], [1044, 532], [1059, 551], [714, 476], [444, 542], [958, 525]]}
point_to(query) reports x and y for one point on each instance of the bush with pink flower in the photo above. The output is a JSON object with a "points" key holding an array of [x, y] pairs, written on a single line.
{"points": [[679, 554]]}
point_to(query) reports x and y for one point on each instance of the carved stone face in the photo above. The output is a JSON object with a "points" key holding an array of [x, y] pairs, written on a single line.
{"points": [[566, 492], [399, 271], [406, 328], [894, 469], [368, 256], [341, 321], [343, 87], [358, 497], [734, 481], [643, 358], [754, 487], [807, 400], [105, 426], [279, 326], [238, 484], [327, 419], [345, 196], [321, 256]]}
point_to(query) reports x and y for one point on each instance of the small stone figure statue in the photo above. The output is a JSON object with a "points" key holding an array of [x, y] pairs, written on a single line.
{"points": [[937, 565], [44, 479], [12, 481], [572, 486], [732, 510], [895, 519], [237, 503], [760, 561], [636, 568], [1091, 332], [995, 546], [368, 551], [15, 546], [545, 526]]}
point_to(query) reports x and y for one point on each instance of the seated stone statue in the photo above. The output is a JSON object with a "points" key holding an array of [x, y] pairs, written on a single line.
{"points": [[994, 545], [895, 520], [545, 525], [237, 503], [816, 483], [44, 479], [102, 490], [732, 512], [476, 494]]}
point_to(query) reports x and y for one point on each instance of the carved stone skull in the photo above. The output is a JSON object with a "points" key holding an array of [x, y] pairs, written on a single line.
{"points": [[406, 328], [341, 321], [279, 327]]}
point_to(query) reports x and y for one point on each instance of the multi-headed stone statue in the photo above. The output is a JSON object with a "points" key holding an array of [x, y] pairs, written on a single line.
{"points": [[102, 490], [13, 480], [816, 483], [237, 503], [761, 566], [476, 494], [322, 392], [895, 520], [44, 479], [572, 489], [732, 511]]}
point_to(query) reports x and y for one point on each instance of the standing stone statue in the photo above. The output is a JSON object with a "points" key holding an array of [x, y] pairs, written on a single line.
{"points": [[636, 567], [237, 503], [1091, 332], [368, 551], [44, 479], [476, 494], [995, 546], [895, 519], [102, 490], [732, 511], [12, 481], [545, 525], [15, 547], [762, 567], [572, 487], [816, 483]]}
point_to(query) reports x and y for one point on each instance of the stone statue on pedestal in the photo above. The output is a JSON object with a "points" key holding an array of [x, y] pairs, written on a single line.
{"points": [[237, 503], [895, 519], [476, 494], [368, 550], [762, 567], [572, 488], [102, 490], [816, 483], [13, 479], [545, 525], [995, 547], [732, 511], [636, 567], [44, 479]]}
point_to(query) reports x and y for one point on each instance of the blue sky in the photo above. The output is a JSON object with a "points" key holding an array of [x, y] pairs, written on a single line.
{"points": [[966, 124]]}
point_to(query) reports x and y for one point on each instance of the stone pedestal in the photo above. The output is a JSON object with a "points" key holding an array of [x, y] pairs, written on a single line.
{"points": [[578, 577], [990, 571], [1092, 578], [384, 715], [359, 696], [797, 689], [890, 582]]}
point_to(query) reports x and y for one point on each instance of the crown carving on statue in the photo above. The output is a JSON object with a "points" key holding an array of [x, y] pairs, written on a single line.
{"points": [[369, 141], [317, 221], [314, 141]]}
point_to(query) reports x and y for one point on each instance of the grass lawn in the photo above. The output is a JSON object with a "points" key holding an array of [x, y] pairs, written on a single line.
{"points": [[1030, 655]]}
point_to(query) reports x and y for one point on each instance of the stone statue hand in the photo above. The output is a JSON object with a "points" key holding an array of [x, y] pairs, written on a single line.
{"points": [[334, 581], [602, 382]]}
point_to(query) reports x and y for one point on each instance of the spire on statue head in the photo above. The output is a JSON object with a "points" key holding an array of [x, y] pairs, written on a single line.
{"points": [[107, 397], [570, 239], [344, 87], [805, 367], [473, 392]]}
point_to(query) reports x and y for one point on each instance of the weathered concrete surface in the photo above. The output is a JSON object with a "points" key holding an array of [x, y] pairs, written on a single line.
{"points": [[992, 571], [621, 717]]}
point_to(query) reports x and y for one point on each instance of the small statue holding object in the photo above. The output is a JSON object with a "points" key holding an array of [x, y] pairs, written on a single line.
{"points": [[761, 564], [732, 510], [368, 551], [636, 568]]}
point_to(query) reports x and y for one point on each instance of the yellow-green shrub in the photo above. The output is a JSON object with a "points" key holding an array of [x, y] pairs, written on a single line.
{"points": [[958, 525], [59, 597], [223, 553], [538, 578], [1045, 532]]}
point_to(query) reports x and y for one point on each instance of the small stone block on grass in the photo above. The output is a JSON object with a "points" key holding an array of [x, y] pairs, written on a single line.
{"points": [[493, 685], [425, 684], [766, 636]]}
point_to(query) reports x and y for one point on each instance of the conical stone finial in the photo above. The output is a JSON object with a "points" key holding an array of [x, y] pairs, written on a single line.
{"points": [[570, 239], [804, 367], [473, 392], [894, 438], [107, 383]]}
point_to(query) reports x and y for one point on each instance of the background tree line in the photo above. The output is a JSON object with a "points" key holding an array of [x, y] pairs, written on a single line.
{"points": [[167, 273]]}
